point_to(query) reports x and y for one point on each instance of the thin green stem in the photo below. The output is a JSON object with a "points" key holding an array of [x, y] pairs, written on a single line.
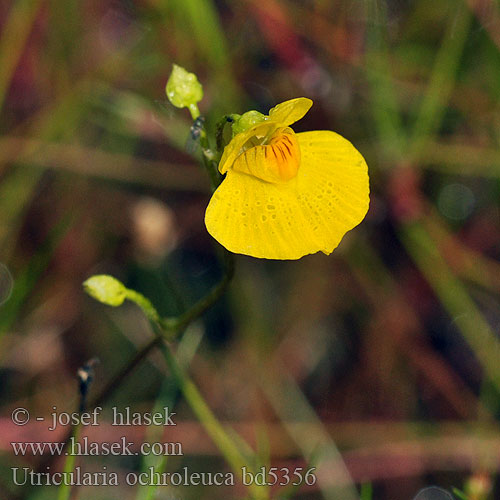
{"points": [[195, 112], [64, 491], [144, 304], [210, 157], [219, 131], [209, 421], [116, 381], [213, 172], [166, 329], [211, 297], [202, 411]]}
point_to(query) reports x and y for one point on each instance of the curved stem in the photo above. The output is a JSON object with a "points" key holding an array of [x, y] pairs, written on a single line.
{"points": [[169, 328], [166, 329], [211, 297], [209, 421], [143, 303]]}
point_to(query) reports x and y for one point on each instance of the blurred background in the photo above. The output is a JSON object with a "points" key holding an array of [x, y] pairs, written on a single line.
{"points": [[386, 351]]}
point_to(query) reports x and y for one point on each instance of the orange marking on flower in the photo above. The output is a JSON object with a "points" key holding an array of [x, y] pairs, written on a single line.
{"points": [[277, 161]]}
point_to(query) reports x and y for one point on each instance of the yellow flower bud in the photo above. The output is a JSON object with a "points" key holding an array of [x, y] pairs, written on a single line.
{"points": [[183, 88], [106, 289]]}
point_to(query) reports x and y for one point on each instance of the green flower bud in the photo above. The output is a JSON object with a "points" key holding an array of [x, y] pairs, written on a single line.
{"points": [[106, 289], [183, 88], [248, 120]]}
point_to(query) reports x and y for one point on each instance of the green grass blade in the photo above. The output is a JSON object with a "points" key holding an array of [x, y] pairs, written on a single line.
{"points": [[384, 104], [15, 32], [442, 78], [454, 297]]}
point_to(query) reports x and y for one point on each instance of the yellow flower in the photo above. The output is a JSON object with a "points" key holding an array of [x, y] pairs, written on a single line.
{"points": [[286, 195]]}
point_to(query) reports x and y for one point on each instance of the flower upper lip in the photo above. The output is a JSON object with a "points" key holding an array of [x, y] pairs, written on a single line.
{"points": [[282, 115]]}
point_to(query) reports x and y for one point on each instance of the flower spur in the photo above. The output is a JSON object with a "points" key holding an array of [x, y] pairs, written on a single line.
{"points": [[286, 194]]}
